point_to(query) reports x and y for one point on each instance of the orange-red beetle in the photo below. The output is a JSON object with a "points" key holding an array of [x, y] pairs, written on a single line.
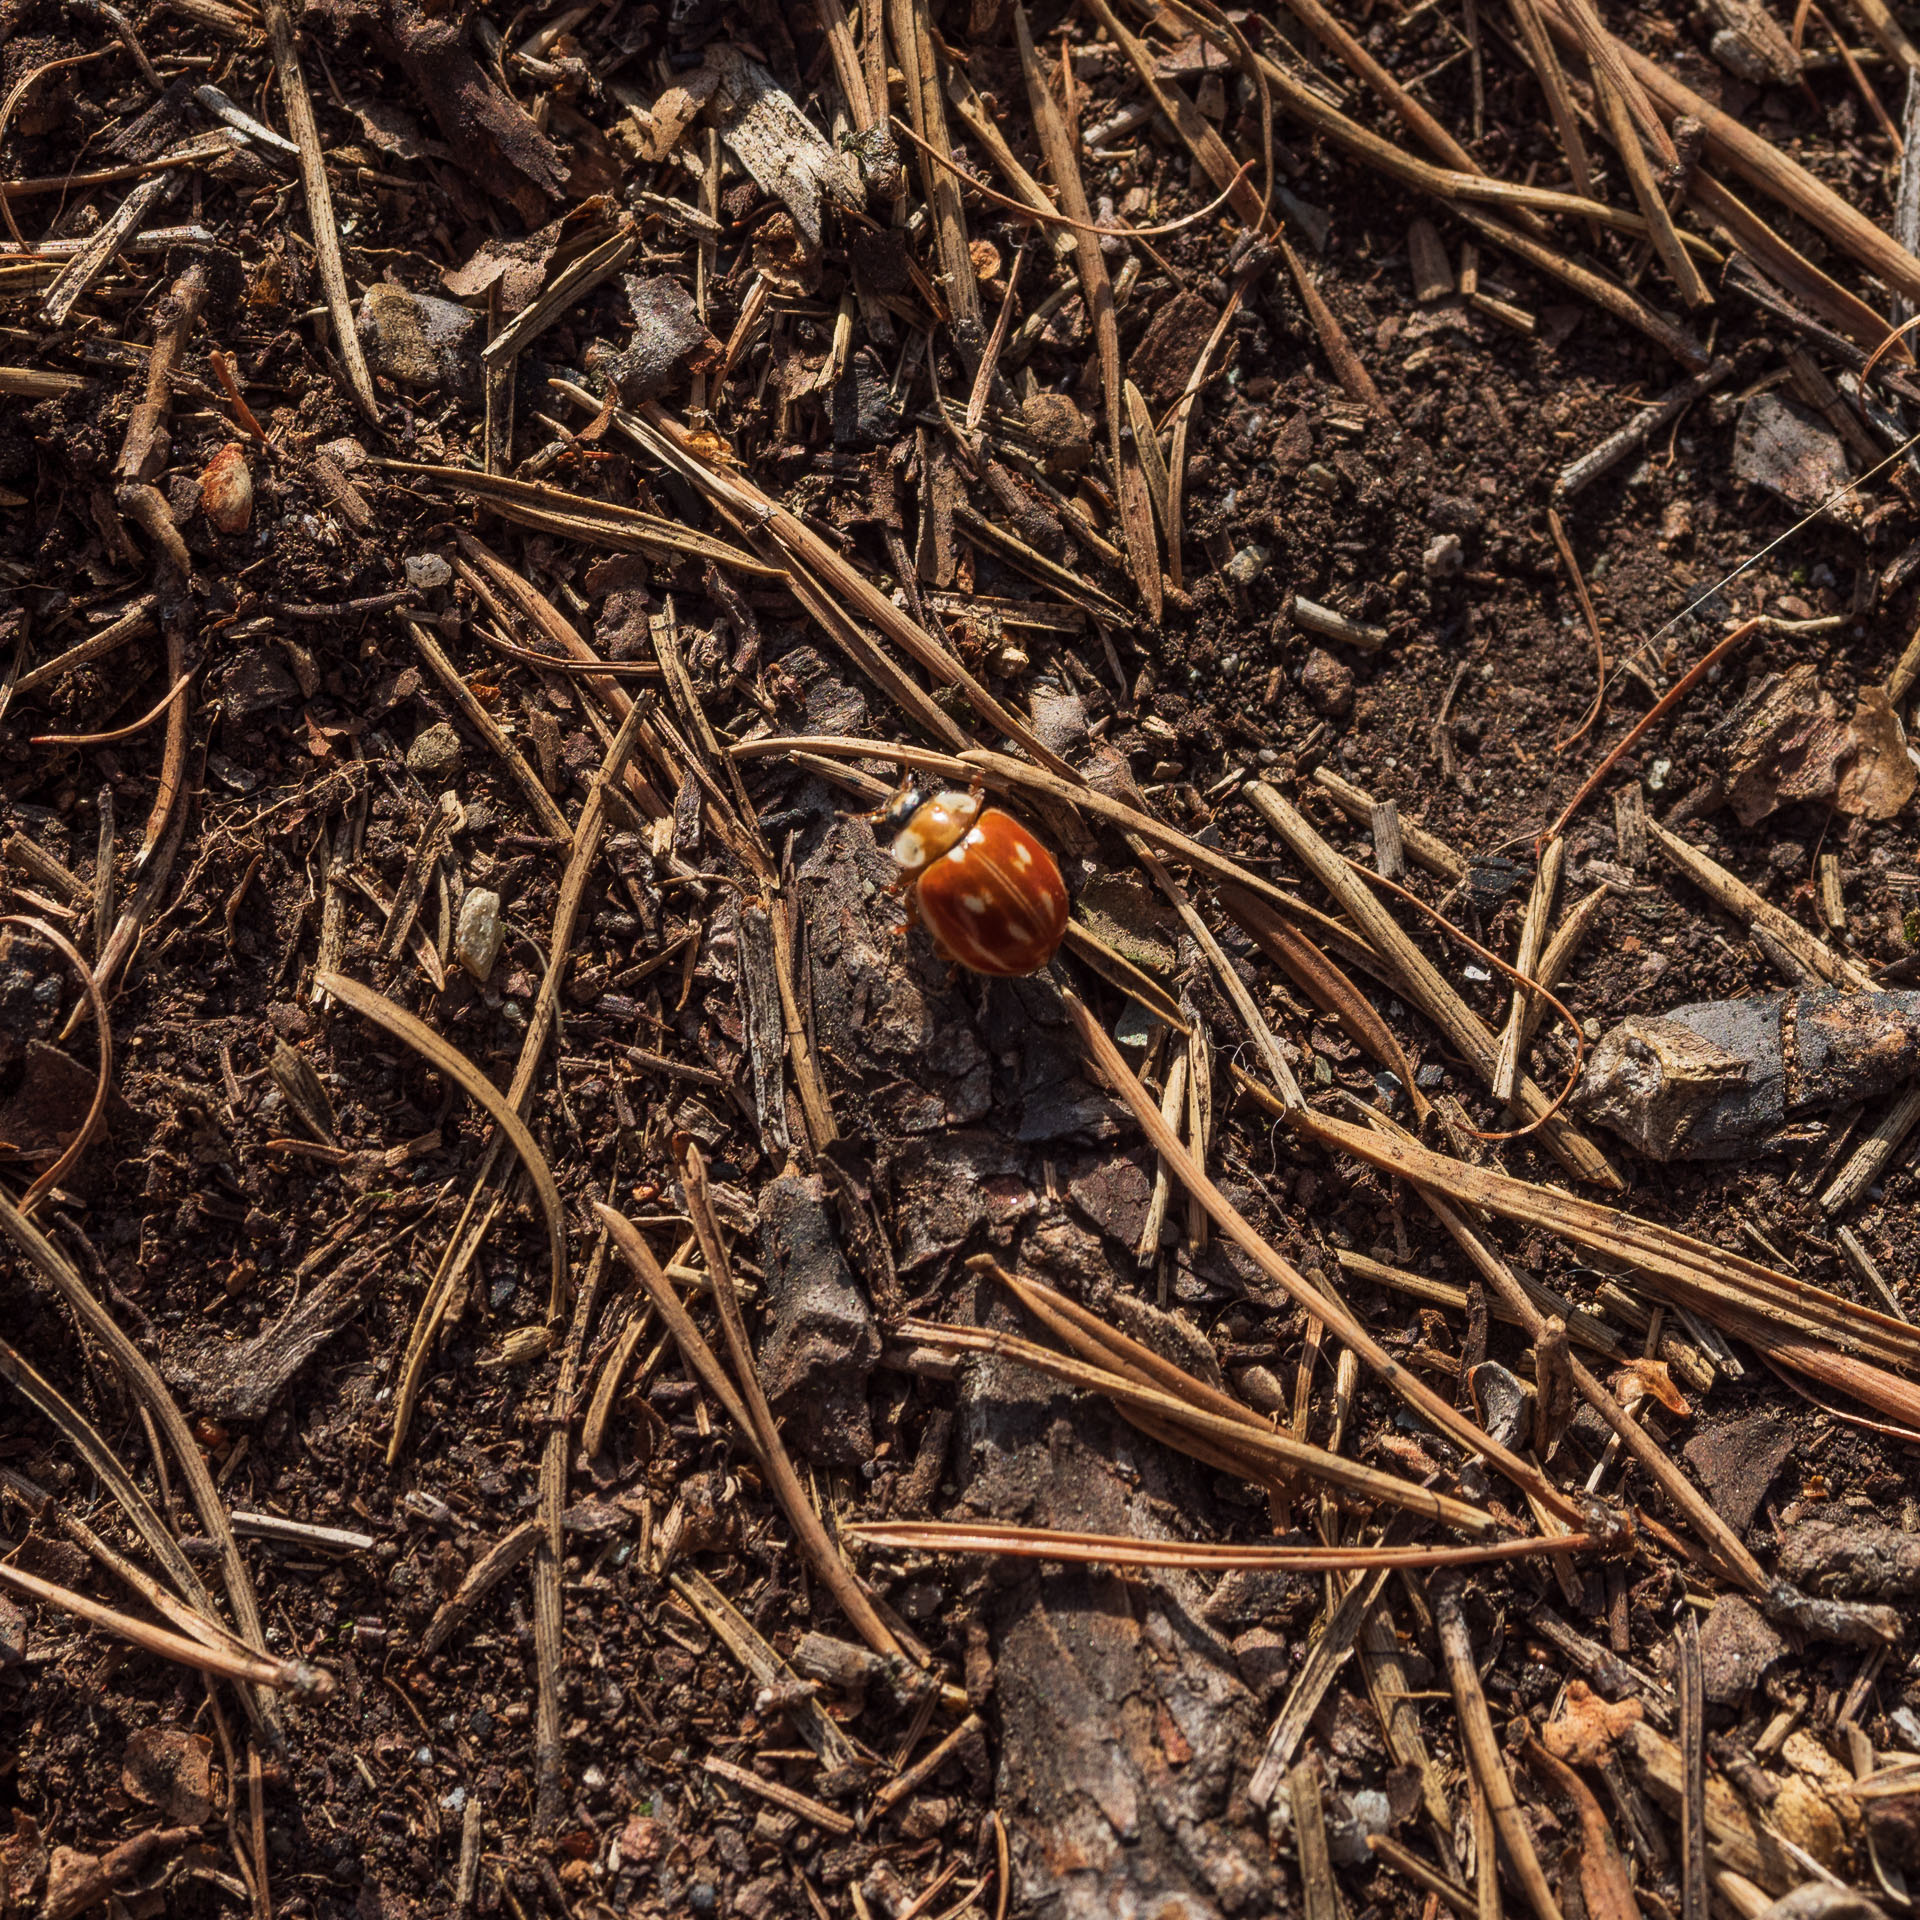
{"points": [[989, 893]]}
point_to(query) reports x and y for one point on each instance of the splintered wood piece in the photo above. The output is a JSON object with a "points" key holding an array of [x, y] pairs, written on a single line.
{"points": [[1427, 257], [1533, 934], [313, 176], [1327, 1652], [1690, 1685], [1433, 993], [83, 272], [1630, 824], [1321, 1896], [1483, 1750], [1389, 844]]}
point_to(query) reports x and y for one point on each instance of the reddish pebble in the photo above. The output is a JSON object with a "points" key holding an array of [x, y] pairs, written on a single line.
{"points": [[226, 490]]}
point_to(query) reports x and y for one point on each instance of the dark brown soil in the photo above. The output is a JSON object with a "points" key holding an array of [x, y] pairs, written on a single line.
{"points": [[275, 1281]]}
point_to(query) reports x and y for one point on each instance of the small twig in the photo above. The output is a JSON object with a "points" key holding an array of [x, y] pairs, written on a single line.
{"points": [[1483, 1749], [313, 174], [1690, 1687]]}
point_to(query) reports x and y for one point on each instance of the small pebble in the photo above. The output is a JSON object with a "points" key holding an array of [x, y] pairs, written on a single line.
{"points": [[417, 340], [477, 939], [1445, 559], [1328, 684], [226, 490], [436, 754], [425, 571], [1247, 565], [1059, 429]]}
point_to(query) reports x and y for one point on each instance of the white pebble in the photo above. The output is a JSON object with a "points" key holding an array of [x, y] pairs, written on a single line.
{"points": [[425, 571], [477, 939]]}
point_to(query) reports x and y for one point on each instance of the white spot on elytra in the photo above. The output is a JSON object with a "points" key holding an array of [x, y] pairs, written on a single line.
{"points": [[974, 902], [1022, 858]]}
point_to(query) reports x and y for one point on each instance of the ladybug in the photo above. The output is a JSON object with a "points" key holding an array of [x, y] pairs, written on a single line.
{"points": [[989, 893]]}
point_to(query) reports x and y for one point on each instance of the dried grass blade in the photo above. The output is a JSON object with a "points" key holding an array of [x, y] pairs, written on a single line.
{"points": [[1483, 1749], [912, 35], [147, 1386], [1430, 990], [86, 1440], [1533, 934], [809, 1530], [313, 176], [1104, 1056], [1056, 143], [448, 1058], [1759, 161], [625, 528], [103, 1077], [1324, 984], [1263, 1454], [669, 442], [228, 1662], [1726, 1289]]}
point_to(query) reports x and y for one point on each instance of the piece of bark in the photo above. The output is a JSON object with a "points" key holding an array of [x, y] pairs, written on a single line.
{"points": [[494, 139], [1124, 1728]]}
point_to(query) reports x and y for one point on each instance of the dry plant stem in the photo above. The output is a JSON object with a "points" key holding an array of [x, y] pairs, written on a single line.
{"points": [[148, 1388], [1056, 143], [1760, 161], [736, 1633], [1720, 1539], [1690, 1688], [1816, 290], [85, 1439], [134, 624], [463, 1073], [1799, 1325], [1183, 413], [1882, 1141], [1583, 472], [1894, 43], [1572, 565], [313, 175], [1404, 1861], [1427, 850], [463, 1244], [1124, 1550], [1483, 1749], [1566, 942], [111, 738], [80, 274], [664, 438], [1251, 1018], [1553, 83], [1647, 195], [1459, 193], [1104, 1056], [1740, 900], [1533, 934], [1652, 717], [1236, 1442], [538, 798], [824, 1557], [1435, 995], [1329, 989], [1320, 1896], [1488, 1903], [549, 1642], [912, 35], [247, 1669]]}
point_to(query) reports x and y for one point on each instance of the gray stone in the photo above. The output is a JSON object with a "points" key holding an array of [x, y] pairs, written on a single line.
{"points": [[436, 753], [1736, 1464], [1737, 1646], [419, 341]]}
